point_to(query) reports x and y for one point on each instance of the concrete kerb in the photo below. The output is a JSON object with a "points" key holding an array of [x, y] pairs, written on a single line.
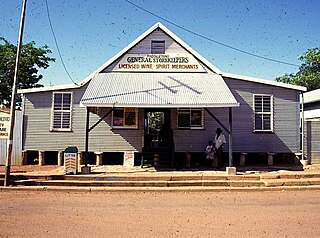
{"points": [[157, 189]]}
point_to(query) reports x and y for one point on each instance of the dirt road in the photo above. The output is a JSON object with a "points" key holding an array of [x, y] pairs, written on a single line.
{"points": [[159, 214]]}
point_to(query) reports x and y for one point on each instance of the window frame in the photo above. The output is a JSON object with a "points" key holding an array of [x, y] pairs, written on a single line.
{"points": [[163, 51], [136, 111], [191, 127], [52, 128], [263, 113]]}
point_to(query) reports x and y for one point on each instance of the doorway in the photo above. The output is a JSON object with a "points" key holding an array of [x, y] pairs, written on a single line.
{"points": [[157, 131]]}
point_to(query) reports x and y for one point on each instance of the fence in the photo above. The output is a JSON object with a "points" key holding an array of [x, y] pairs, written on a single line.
{"points": [[16, 158]]}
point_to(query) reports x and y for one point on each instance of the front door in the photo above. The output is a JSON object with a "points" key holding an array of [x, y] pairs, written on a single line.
{"points": [[157, 128]]}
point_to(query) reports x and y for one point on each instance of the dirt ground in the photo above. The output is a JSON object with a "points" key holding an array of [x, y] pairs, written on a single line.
{"points": [[159, 214]]}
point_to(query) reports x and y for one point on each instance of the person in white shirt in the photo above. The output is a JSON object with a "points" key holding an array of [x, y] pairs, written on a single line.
{"points": [[219, 141]]}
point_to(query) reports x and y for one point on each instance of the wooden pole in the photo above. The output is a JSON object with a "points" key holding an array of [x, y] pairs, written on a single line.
{"points": [[14, 96]]}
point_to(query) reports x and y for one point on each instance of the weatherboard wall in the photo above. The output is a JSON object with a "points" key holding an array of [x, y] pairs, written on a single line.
{"points": [[37, 134], [284, 138], [285, 135]]}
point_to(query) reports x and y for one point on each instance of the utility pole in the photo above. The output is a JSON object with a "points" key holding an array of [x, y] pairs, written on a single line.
{"points": [[14, 96]]}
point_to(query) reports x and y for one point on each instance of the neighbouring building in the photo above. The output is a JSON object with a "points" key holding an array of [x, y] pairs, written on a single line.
{"points": [[312, 126], [159, 99]]}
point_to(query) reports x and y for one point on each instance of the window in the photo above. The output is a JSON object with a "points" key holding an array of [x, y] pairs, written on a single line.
{"points": [[61, 111], [157, 47], [190, 118], [263, 119], [125, 118]]}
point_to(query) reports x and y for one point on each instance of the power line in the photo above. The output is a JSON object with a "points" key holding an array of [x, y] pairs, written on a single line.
{"points": [[209, 39], [56, 42]]}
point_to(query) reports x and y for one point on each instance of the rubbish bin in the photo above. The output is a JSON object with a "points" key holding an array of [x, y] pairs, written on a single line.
{"points": [[70, 160]]}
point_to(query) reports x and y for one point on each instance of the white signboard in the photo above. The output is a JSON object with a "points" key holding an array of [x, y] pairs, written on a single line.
{"points": [[4, 125], [159, 63], [70, 163]]}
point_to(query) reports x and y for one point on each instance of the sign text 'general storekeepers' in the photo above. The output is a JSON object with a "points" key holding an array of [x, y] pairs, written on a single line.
{"points": [[159, 62]]}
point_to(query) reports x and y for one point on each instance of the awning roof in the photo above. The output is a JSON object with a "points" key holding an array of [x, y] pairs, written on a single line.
{"points": [[148, 90]]}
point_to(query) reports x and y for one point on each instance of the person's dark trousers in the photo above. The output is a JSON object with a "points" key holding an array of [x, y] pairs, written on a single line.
{"points": [[218, 157]]}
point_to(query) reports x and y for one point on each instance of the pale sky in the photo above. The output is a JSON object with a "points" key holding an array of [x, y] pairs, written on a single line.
{"points": [[89, 32]]}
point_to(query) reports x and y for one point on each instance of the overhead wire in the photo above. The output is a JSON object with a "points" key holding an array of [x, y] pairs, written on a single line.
{"points": [[56, 43], [210, 39]]}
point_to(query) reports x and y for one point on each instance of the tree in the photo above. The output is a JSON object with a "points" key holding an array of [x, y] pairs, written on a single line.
{"points": [[309, 72], [32, 58]]}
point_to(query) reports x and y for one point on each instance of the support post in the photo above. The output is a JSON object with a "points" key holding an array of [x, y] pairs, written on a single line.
{"points": [[14, 96], [302, 126], [86, 155], [230, 137]]}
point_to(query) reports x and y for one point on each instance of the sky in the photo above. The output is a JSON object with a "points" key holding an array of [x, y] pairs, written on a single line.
{"points": [[90, 32]]}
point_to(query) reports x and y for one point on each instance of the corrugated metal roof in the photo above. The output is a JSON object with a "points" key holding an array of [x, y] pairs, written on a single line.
{"points": [[158, 90], [265, 81]]}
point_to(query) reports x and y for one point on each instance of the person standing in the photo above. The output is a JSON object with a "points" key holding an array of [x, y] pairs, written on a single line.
{"points": [[219, 141]]}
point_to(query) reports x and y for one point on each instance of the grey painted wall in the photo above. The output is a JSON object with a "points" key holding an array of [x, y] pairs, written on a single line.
{"points": [[285, 137], [37, 134]]}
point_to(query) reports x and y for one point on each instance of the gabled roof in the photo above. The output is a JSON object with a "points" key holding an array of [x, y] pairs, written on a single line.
{"points": [[122, 52], [179, 41]]}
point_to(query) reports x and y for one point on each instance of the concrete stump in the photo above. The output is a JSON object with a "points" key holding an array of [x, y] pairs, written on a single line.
{"points": [[243, 159], [98, 157], [188, 160], [60, 158], [41, 158], [270, 158], [231, 170]]}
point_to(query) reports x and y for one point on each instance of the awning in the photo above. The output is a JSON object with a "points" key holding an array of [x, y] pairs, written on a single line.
{"points": [[147, 90]]}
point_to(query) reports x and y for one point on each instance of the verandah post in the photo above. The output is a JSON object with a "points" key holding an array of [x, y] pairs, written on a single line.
{"points": [[230, 137], [86, 156]]}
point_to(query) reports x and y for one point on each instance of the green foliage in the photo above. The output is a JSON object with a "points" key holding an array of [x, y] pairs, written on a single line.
{"points": [[309, 72], [31, 59]]}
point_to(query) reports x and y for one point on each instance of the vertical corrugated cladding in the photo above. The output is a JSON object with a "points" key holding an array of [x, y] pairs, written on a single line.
{"points": [[285, 135], [312, 140], [38, 136]]}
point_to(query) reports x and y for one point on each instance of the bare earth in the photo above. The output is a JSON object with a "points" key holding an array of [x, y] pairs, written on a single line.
{"points": [[159, 214]]}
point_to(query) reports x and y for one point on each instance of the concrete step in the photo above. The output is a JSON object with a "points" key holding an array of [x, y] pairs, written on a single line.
{"points": [[291, 182], [159, 183], [290, 176]]}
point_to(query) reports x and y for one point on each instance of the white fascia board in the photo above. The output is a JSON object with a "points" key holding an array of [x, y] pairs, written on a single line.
{"points": [[162, 105], [51, 88], [309, 114], [312, 96], [265, 81]]}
